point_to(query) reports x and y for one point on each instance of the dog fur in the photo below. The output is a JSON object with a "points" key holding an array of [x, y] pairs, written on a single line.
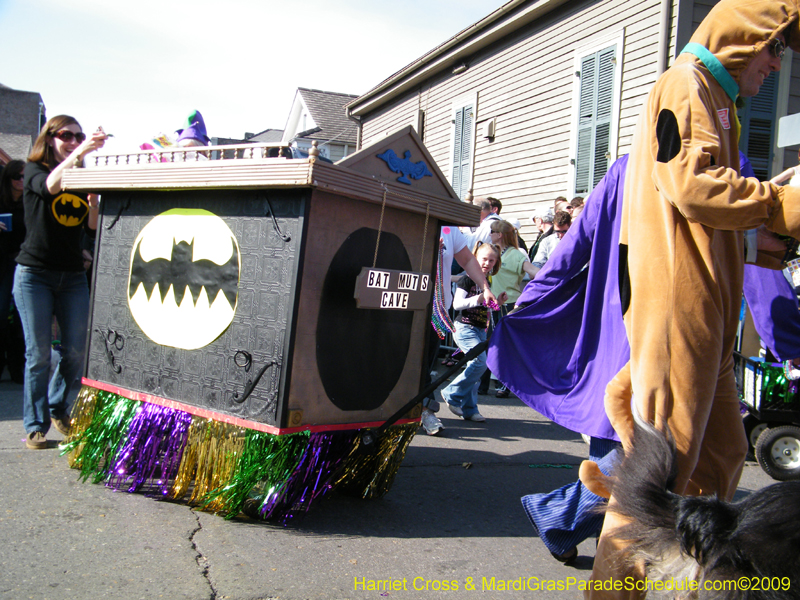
{"points": [[704, 538]]}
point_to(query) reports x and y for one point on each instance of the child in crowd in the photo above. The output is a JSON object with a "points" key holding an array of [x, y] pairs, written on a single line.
{"points": [[471, 323]]}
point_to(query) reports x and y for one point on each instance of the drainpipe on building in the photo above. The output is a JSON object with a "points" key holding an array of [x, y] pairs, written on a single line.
{"points": [[358, 128], [663, 42]]}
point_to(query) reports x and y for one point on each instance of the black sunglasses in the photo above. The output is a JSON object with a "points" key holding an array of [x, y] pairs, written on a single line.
{"points": [[777, 47], [66, 136], [18, 177]]}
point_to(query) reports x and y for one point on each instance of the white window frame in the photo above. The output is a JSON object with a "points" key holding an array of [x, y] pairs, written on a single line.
{"points": [[459, 104], [592, 46], [782, 106]]}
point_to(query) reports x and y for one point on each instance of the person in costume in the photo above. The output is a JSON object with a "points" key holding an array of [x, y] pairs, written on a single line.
{"points": [[683, 250], [563, 292], [471, 323], [194, 134], [559, 349], [50, 279]]}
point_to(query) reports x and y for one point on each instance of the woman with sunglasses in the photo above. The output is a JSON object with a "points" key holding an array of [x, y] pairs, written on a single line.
{"points": [[12, 232], [50, 279], [513, 268]]}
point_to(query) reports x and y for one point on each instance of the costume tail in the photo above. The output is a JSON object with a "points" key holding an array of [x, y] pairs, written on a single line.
{"points": [[661, 521]]}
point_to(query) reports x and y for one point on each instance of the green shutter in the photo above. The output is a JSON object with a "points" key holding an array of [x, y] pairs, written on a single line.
{"points": [[462, 150], [758, 127], [596, 107]]}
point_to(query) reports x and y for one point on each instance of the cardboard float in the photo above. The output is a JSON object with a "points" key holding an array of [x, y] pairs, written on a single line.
{"points": [[252, 318]]}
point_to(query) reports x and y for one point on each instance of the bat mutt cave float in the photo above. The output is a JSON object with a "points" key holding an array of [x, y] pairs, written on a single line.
{"points": [[258, 325]]}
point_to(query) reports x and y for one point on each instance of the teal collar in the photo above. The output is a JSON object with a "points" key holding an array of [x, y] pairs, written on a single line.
{"points": [[712, 63]]}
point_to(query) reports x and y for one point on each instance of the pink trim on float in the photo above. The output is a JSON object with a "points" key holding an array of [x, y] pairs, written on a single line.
{"points": [[208, 414]]}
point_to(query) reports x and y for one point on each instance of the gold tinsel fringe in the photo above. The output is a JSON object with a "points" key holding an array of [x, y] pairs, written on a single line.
{"points": [[212, 451], [371, 474], [82, 414]]}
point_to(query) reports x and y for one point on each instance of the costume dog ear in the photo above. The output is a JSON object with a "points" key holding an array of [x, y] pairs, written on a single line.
{"points": [[594, 479]]}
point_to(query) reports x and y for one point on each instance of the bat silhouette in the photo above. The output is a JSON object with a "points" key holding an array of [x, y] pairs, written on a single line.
{"points": [[69, 210], [180, 272]]}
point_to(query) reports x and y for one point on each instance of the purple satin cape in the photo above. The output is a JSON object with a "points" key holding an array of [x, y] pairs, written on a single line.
{"points": [[772, 303], [558, 352]]}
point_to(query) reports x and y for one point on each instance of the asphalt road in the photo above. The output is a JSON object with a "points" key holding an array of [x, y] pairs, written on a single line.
{"points": [[453, 518]]}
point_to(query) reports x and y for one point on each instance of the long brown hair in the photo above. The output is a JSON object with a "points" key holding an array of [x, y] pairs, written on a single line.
{"points": [[508, 231], [14, 167], [42, 151]]}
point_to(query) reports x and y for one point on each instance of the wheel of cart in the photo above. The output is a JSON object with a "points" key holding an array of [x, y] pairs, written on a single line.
{"points": [[772, 422], [778, 452], [753, 428]]}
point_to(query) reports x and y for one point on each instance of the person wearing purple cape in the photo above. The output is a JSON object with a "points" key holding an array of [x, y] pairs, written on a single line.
{"points": [[567, 340], [561, 347]]}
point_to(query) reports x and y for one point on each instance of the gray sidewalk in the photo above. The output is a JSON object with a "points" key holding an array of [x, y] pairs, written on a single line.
{"points": [[453, 515]]}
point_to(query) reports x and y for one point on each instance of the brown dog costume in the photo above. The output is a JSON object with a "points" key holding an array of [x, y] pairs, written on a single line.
{"points": [[685, 210]]}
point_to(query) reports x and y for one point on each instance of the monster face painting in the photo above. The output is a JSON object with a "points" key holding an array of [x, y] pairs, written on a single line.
{"points": [[184, 277]]}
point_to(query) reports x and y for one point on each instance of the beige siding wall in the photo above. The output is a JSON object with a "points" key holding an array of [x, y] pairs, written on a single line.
{"points": [[526, 83], [790, 154], [336, 152]]}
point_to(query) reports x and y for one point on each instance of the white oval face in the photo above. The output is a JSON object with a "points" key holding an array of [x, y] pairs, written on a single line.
{"points": [[184, 278]]}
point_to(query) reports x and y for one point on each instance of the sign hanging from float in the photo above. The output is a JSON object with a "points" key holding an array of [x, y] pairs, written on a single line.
{"points": [[388, 289]]}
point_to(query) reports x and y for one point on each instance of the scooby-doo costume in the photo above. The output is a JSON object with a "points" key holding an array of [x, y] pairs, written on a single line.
{"points": [[682, 252]]}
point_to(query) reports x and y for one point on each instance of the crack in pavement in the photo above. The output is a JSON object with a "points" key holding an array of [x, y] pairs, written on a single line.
{"points": [[202, 561]]}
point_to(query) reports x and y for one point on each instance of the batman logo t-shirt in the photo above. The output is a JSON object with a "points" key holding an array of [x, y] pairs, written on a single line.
{"points": [[54, 224], [70, 210]]}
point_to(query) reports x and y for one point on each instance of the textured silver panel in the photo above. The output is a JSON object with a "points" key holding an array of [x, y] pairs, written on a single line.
{"points": [[207, 377]]}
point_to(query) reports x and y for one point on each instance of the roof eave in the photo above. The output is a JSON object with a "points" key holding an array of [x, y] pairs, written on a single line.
{"points": [[466, 43]]}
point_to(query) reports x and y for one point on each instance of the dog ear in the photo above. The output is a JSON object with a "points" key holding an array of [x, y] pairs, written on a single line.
{"points": [[594, 479]]}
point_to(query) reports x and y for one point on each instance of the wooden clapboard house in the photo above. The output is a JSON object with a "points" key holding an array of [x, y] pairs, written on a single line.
{"points": [[536, 99]]}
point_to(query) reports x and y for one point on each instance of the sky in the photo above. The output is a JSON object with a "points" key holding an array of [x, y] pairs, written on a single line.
{"points": [[139, 68]]}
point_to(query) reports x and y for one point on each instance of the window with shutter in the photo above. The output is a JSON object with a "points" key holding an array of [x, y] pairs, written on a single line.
{"points": [[595, 113], [463, 134], [758, 127]]}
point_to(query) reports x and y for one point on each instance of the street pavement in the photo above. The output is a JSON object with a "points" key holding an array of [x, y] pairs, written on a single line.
{"points": [[452, 518]]}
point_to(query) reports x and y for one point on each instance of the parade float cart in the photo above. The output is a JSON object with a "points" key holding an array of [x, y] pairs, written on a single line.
{"points": [[772, 423], [253, 317]]}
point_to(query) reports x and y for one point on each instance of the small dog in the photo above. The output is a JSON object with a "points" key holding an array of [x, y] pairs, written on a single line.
{"points": [[754, 543]]}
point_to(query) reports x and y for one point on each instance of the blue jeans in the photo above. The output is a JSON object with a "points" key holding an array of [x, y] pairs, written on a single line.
{"points": [[39, 294], [463, 390], [567, 516]]}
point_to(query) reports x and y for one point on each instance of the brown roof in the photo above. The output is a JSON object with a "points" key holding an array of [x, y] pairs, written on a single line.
{"points": [[16, 145], [327, 110]]}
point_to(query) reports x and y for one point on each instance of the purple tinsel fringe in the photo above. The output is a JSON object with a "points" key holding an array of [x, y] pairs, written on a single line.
{"points": [[311, 479], [152, 451]]}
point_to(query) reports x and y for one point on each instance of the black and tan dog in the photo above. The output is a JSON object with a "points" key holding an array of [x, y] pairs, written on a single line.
{"points": [[743, 550]]}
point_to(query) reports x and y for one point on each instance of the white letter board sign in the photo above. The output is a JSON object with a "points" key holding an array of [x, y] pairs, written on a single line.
{"points": [[388, 289]]}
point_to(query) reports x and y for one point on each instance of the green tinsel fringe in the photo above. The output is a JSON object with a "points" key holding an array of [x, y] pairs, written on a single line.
{"points": [[229, 469]]}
